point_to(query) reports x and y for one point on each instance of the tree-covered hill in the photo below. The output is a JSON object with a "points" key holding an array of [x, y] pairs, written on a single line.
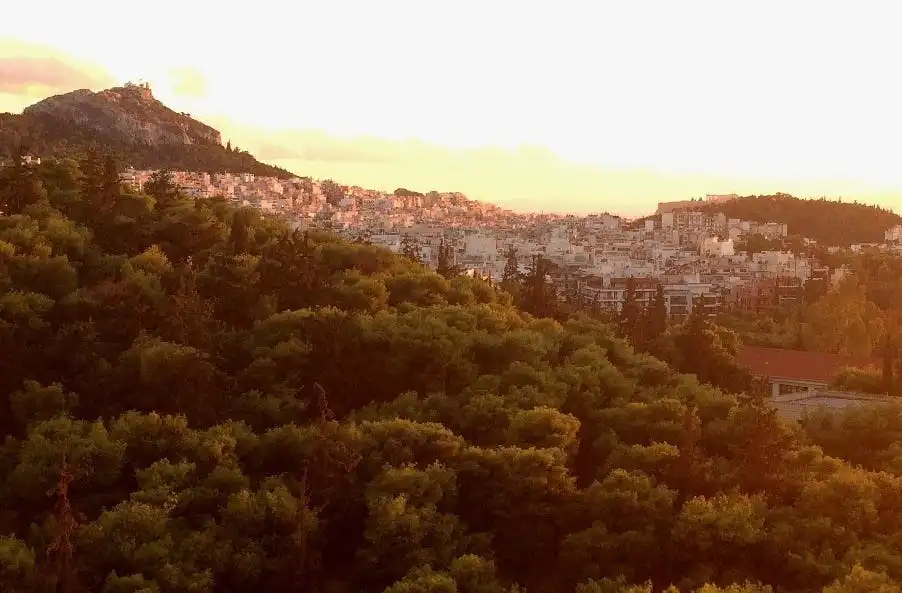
{"points": [[829, 222], [129, 122], [195, 398]]}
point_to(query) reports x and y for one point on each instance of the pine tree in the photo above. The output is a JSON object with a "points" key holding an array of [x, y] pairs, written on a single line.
{"points": [[445, 265], [410, 248], [161, 188]]}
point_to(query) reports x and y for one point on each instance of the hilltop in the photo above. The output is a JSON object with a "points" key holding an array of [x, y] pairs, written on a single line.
{"points": [[826, 221], [129, 121]]}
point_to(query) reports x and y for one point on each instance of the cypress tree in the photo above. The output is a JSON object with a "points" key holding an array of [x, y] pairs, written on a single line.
{"points": [[510, 278], [656, 316], [630, 312], [445, 265]]}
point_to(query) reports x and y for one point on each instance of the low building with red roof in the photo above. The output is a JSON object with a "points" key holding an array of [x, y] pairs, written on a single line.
{"points": [[798, 370]]}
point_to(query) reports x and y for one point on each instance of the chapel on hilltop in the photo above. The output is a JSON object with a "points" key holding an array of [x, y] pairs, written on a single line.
{"points": [[142, 87]]}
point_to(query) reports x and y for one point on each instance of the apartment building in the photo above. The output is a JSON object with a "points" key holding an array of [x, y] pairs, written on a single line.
{"points": [[685, 298], [788, 290], [680, 298]]}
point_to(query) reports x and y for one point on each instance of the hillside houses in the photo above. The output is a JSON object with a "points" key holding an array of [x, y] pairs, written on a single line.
{"points": [[692, 254]]}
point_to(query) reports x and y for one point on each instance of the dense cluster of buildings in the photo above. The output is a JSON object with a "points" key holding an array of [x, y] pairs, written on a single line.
{"points": [[690, 253], [894, 234], [316, 203], [697, 264], [683, 251]]}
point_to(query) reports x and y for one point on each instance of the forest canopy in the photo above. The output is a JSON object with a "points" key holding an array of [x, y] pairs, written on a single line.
{"points": [[195, 398], [829, 222]]}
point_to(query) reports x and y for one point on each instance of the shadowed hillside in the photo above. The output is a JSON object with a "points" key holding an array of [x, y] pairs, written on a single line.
{"points": [[129, 122], [826, 221]]}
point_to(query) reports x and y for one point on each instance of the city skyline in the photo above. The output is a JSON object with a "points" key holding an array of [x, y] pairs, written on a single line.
{"points": [[578, 111]]}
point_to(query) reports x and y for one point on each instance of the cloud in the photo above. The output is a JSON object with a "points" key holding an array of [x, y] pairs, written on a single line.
{"points": [[319, 147], [27, 69], [275, 152], [315, 146], [349, 151], [188, 82]]}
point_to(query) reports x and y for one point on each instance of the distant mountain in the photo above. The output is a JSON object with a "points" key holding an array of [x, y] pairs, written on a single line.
{"points": [[132, 124], [829, 222]]}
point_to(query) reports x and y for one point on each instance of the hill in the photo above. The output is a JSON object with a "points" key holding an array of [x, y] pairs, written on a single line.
{"points": [[129, 122], [826, 221], [194, 398]]}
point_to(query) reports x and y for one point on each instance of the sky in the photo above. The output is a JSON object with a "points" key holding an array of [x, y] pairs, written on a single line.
{"points": [[567, 106]]}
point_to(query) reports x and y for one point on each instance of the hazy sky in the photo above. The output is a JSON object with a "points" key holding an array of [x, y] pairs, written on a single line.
{"points": [[563, 105]]}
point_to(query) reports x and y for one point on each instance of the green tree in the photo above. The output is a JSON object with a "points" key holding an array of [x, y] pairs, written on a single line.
{"points": [[539, 297], [333, 192], [18, 566], [446, 265], [656, 316], [860, 380], [410, 247], [19, 186], [700, 347], [110, 185], [191, 407], [242, 223], [511, 278], [860, 580], [161, 187], [844, 322], [630, 312]]}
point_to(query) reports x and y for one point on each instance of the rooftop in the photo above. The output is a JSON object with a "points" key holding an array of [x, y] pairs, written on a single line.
{"points": [[799, 365]]}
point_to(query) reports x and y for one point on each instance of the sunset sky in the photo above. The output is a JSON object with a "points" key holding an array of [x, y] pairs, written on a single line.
{"points": [[560, 106]]}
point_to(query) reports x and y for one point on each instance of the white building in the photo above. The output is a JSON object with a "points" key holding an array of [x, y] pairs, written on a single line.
{"points": [[480, 246], [714, 247]]}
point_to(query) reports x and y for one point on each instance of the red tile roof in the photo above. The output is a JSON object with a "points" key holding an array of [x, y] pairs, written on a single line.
{"points": [[799, 364]]}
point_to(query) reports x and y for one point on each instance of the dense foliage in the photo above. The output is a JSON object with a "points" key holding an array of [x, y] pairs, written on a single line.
{"points": [[858, 316], [829, 222], [196, 399], [47, 136]]}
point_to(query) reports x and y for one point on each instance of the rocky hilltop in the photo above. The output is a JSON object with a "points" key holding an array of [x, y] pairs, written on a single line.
{"points": [[129, 122], [130, 111]]}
